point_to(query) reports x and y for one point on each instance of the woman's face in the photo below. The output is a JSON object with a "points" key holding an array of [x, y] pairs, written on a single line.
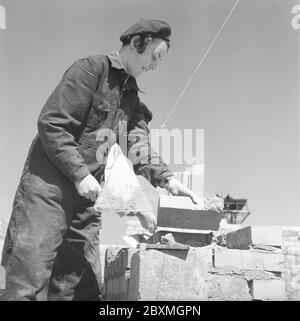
{"points": [[141, 62]]}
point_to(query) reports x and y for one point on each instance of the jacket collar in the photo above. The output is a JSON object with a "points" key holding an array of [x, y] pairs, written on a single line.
{"points": [[115, 59], [118, 73]]}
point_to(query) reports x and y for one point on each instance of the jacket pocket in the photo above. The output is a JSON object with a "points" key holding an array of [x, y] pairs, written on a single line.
{"points": [[98, 113], [95, 148], [87, 147]]}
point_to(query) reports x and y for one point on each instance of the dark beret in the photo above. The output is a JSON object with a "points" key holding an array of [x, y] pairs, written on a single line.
{"points": [[157, 28]]}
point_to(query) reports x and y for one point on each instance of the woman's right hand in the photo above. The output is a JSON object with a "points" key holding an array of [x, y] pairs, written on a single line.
{"points": [[89, 187]]}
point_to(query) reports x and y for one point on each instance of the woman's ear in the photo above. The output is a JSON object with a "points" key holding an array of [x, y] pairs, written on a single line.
{"points": [[135, 41]]}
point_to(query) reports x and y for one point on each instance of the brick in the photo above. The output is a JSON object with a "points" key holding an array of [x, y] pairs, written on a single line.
{"points": [[181, 212], [192, 239], [248, 260], [243, 238], [227, 287], [164, 275], [268, 290], [269, 235], [239, 239], [261, 275]]}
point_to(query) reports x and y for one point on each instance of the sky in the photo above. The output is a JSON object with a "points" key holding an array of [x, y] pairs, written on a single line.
{"points": [[245, 95]]}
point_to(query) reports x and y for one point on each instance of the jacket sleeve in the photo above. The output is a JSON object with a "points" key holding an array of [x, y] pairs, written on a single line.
{"points": [[62, 115], [146, 161]]}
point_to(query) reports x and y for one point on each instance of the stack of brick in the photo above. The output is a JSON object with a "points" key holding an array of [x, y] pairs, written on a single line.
{"points": [[256, 248], [242, 264], [258, 267], [204, 273], [136, 274]]}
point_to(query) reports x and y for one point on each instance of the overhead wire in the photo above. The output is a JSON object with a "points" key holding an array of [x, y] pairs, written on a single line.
{"points": [[199, 64]]}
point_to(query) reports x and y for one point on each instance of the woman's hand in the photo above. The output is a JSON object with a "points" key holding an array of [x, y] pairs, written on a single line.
{"points": [[175, 187], [89, 187]]}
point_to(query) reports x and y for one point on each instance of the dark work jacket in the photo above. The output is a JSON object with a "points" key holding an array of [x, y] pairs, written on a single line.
{"points": [[77, 124]]}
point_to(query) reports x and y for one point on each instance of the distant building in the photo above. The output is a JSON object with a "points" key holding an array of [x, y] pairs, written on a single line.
{"points": [[235, 209]]}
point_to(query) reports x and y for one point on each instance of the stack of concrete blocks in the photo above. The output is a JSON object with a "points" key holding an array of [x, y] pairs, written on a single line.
{"points": [[256, 268], [203, 273], [133, 274], [152, 275], [167, 274], [256, 250], [227, 263]]}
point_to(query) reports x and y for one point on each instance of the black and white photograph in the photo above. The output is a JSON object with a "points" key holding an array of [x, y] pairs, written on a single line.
{"points": [[150, 152]]}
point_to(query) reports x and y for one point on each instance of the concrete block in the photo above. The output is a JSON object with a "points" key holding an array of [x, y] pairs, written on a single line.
{"points": [[181, 212], [261, 275], [253, 235], [227, 287], [268, 290], [201, 238], [269, 235], [239, 239], [248, 260], [162, 275]]}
